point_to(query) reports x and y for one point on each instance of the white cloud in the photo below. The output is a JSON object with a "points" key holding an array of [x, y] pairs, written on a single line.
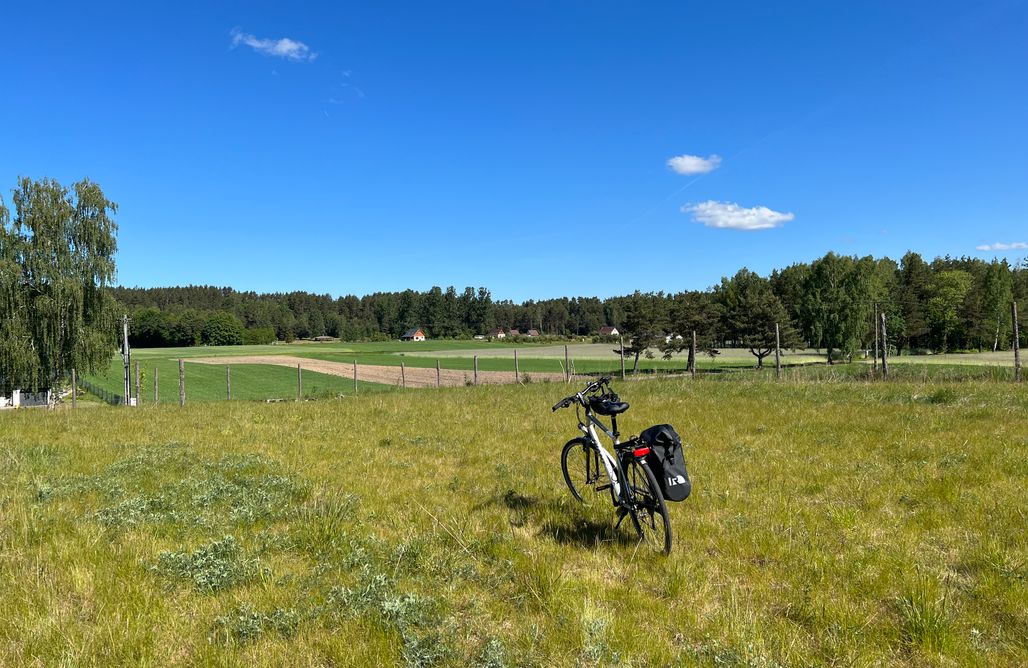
{"points": [[290, 49], [1000, 246], [729, 216], [694, 164]]}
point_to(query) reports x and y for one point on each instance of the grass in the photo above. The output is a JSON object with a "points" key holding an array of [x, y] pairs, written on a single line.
{"points": [[258, 382], [266, 382], [847, 523], [250, 382]]}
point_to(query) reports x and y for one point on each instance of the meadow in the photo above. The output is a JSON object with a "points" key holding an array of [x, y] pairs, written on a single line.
{"points": [[831, 523]]}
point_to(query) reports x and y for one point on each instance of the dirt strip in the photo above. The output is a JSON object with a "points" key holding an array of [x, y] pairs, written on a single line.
{"points": [[389, 375]]}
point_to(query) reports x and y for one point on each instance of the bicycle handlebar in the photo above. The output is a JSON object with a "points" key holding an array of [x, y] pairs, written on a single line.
{"points": [[577, 397], [564, 403]]}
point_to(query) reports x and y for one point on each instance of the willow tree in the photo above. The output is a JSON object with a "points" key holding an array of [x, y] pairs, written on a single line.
{"points": [[56, 261]]}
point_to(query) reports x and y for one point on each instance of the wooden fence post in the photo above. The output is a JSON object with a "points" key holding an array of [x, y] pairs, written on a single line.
{"points": [[476, 369], [181, 383], [156, 395], [885, 348], [567, 365], [438, 375], [621, 351], [355, 376], [299, 383], [1017, 344], [778, 353], [517, 369], [228, 381], [403, 376], [874, 362], [74, 388], [137, 384], [692, 356]]}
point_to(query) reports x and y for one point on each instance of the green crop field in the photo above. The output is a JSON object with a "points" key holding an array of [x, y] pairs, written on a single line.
{"points": [[831, 523], [267, 382], [208, 383]]}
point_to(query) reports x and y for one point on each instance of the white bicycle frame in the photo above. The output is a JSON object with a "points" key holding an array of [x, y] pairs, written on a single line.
{"points": [[609, 463]]}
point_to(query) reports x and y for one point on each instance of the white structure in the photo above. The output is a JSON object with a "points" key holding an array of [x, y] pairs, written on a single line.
{"points": [[19, 399], [413, 334]]}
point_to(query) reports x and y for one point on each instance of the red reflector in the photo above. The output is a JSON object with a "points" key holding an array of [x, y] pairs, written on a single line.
{"points": [[641, 452]]}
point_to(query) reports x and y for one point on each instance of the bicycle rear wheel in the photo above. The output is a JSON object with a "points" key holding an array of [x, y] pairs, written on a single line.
{"points": [[583, 471], [649, 512]]}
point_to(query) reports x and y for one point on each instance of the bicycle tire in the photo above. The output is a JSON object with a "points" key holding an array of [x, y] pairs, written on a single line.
{"points": [[649, 513], [582, 468]]}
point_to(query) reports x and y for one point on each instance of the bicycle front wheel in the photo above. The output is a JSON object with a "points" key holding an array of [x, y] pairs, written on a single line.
{"points": [[649, 512], [583, 471]]}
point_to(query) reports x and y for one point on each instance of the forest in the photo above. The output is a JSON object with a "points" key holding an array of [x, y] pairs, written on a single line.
{"points": [[948, 304]]}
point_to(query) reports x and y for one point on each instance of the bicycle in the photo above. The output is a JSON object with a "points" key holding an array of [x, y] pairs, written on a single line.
{"points": [[590, 469]]}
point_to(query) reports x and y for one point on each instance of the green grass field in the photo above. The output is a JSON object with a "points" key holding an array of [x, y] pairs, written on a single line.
{"points": [[842, 523], [266, 382], [253, 382], [250, 382]]}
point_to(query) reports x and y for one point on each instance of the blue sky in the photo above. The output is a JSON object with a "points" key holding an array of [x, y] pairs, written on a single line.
{"points": [[528, 147]]}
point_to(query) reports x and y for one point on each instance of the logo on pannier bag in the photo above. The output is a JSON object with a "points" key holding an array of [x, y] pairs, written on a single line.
{"points": [[676, 480]]}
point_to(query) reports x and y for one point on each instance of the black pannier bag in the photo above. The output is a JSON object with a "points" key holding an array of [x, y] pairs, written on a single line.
{"points": [[667, 461]]}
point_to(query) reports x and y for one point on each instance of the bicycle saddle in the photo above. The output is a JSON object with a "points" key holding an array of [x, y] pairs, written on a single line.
{"points": [[606, 405]]}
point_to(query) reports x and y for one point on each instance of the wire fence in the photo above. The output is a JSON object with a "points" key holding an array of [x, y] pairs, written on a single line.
{"points": [[103, 394], [332, 377]]}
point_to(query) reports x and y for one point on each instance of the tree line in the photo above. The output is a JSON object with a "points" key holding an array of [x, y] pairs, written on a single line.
{"points": [[944, 305], [58, 310]]}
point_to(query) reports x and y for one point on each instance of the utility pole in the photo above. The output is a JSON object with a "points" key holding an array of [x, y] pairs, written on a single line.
{"points": [[126, 357]]}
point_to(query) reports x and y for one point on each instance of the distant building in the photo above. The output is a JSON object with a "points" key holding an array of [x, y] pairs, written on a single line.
{"points": [[532, 332], [676, 337], [609, 331], [413, 334], [498, 333], [319, 339], [515, 332]]}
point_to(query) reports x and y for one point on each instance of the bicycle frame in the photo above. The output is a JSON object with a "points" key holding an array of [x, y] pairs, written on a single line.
{"points": [[611, 465]]}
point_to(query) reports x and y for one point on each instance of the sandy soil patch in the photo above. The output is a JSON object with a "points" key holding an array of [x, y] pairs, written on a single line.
{"points": [[389, 375]]}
